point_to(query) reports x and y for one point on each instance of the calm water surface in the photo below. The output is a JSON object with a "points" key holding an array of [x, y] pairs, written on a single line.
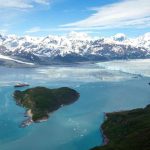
{"points": [[72, 127]]}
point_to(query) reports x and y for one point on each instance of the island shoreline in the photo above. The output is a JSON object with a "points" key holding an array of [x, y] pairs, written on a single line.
{"points": [[40, 102]]}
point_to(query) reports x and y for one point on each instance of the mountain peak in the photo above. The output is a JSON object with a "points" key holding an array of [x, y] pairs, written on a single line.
{"points": [[74, 47], [120, 37]]}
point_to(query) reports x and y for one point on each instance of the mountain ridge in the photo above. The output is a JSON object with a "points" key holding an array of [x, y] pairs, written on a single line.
{"points": [[74, 47]]}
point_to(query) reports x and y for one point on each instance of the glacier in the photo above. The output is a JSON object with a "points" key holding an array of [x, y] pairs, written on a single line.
{"points": [[139, 67]]}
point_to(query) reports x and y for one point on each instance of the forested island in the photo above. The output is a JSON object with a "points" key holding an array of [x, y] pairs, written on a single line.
{"points": [[127, 130], [40, 101]]}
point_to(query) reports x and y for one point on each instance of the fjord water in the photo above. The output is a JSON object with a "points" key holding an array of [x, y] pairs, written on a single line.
{"points": [[75, 126]]}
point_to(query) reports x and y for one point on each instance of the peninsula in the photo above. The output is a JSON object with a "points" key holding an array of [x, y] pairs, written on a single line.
{"points": [[127, 130], [40, 101]]}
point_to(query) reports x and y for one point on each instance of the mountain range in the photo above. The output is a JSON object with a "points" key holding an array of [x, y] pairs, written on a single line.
{"points": [[74, 47]]}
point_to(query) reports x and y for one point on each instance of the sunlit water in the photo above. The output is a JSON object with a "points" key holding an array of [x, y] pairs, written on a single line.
{"points": [[73, 127]]}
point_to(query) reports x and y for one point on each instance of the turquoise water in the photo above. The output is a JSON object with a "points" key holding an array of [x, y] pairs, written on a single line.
{"points": [[75, 126]]}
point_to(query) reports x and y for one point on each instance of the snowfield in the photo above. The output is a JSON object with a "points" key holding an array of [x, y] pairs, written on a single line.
{"points": [[75, 47]]}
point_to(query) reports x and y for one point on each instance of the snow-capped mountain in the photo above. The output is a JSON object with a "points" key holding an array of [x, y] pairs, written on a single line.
{"points": [[74, 47]]}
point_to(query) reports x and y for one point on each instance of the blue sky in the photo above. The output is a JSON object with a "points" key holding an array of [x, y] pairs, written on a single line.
{"points": [[96, 17]]}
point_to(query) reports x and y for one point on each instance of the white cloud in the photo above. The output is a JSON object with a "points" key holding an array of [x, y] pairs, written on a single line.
{"points": [[46, 2], [15, 4], [21, 4], [34, 30], [47, 30], [127, 13]]}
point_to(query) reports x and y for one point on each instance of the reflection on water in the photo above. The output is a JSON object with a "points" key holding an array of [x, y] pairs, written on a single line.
{"points": [[84, 74], [75, 126]]}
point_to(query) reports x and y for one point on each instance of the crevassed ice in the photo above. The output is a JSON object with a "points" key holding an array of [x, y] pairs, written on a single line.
{"points": [[136, 67]]}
